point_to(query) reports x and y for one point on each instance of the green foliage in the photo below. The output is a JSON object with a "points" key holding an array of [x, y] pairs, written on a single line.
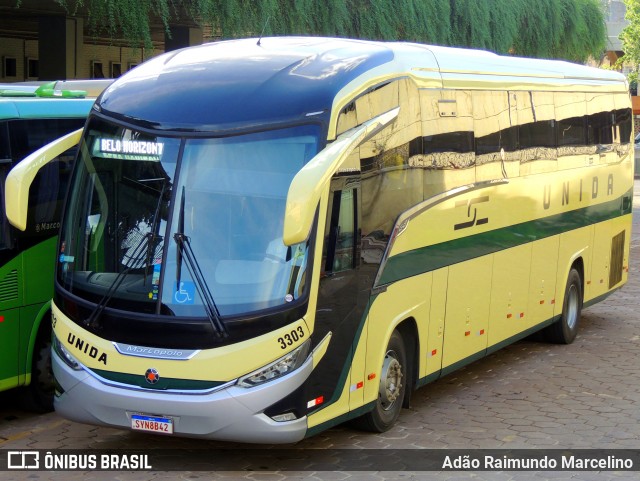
{"points": [[630, 35], [505, 28], [584, 31], [570, 29], [122, 18]]}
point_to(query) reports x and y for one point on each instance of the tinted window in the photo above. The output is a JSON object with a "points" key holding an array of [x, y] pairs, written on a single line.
{"points": [[458, 142], [448, 130], [538, 134], [572, 131], [5, 151], [493, 126], [624, 123], [6, 230], [536, 117], [29, 135], [600, 128], [46, 195], [571, 115], [339, 246]]}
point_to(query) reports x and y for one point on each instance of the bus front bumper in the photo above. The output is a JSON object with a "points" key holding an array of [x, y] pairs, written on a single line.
{"points": [[230, 414]]}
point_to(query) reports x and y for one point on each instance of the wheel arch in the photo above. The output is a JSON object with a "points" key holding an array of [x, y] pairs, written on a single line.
{"points": [[38, 329], [408, 329], [578, 264]]}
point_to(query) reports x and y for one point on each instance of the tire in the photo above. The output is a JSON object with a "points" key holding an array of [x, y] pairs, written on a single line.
{"points": [[565, 330], [38, 395], [391, 389]]}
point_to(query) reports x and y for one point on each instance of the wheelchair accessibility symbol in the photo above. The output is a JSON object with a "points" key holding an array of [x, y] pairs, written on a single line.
{"points": [[185, 294]]}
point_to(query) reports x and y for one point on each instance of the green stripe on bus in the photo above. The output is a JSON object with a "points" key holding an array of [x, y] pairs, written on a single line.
{"points": [[340, 419], [522, 335], [499, 345], [162, 384], [9, 383], [430, 258], [600, 298], [428, 379], [484, 352], [463, 362]]}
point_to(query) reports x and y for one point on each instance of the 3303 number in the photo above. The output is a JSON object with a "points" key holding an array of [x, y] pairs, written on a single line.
{"points": [[291, 337]]}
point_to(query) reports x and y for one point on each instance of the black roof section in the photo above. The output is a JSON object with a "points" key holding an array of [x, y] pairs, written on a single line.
{"points": [[238, 84]]}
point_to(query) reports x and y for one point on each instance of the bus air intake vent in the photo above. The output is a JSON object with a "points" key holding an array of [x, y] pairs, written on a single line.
{"points": [[9, 287], [617, 259]]}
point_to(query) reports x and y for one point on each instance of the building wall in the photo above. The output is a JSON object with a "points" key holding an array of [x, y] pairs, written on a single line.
{"points": [[615, 11], [111, 59], [20, 50], [108, 56]]}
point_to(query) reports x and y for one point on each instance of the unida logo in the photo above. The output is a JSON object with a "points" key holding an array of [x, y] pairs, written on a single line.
{"points": [[152, 376]]}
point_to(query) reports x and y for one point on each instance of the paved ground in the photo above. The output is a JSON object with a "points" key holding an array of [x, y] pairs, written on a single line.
{"points": [[528, 395]]}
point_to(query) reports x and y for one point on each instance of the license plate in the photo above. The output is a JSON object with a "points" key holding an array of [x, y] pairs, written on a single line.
{"points": [[153, 424]]}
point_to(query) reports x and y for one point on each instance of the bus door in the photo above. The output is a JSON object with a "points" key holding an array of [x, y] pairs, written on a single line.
{"points": [[9, 284], [341, 296]]}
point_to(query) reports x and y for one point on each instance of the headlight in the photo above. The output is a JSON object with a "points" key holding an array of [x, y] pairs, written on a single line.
{"points": [[278, 368], [62, 352]]}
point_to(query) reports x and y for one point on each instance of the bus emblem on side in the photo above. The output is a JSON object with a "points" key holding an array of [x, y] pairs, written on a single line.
{"points": [[474, 220], [152, 376]]}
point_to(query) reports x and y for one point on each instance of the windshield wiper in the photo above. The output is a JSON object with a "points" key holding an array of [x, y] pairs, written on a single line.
{"points": [[184, 251], [139, 256], [151, 244], [137, 259]]}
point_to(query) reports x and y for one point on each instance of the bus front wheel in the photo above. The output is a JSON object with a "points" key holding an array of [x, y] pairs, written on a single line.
{"points": [[390, 390], [565, 330], [38, 395]]}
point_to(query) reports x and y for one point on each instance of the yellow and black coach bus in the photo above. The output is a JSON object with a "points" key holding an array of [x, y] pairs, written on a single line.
{"points": [[265, 238]]}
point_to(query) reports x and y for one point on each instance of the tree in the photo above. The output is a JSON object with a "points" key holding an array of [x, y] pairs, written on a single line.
{"points": [[569, 29], [630, 37]]}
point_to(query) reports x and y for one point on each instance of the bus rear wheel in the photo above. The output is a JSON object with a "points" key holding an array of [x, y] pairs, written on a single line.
{"points": [[565, 330], [391, 389]]}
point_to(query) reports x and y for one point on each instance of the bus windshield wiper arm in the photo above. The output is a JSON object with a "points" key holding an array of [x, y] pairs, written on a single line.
{"points": [[138, 260], [184, 251], [139, 256], [151, 243]]}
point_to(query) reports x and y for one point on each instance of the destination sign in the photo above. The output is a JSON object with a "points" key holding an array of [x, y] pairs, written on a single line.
{"points": [[136, 147]]}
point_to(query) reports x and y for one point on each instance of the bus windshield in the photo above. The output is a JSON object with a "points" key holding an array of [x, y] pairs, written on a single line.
{"points": [[134, 197]]}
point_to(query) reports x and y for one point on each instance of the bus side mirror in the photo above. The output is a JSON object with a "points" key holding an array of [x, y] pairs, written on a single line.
{"points": [[307, 186], [19, 179]]}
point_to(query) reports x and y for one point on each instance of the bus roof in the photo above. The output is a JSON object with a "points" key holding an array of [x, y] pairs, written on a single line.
{"points": [[239, 83], [90, 87], [45, 100], [39, 108]]}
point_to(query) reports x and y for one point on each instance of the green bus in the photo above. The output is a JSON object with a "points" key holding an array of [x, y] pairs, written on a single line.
{"points": [[32, 116]]}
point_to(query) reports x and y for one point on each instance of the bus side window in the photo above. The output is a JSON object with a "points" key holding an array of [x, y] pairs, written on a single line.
{"points": [[48, 189], [47, 193], [339, 245], [600, 120], [6, 236], [29, 135], [5, 151]]}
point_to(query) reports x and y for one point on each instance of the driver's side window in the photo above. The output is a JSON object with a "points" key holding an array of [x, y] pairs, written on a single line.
{"points": [[339, 245]]}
